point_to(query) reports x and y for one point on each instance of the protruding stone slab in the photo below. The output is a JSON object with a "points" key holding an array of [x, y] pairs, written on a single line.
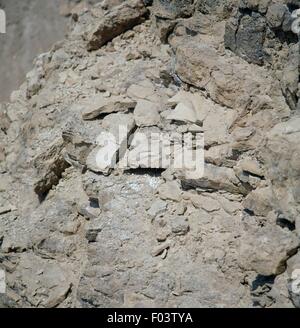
{"points": [[92, 108], [116, 22], [216, 178]]}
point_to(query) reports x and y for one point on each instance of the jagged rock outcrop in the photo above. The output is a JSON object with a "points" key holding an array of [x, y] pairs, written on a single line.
{"points": [[85, 199]]}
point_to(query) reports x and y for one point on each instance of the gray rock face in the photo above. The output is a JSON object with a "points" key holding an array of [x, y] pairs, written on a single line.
{"points": [[266, 250], [173, 9], [247, 38], [222, 8], [93, 217], [261, 32]]}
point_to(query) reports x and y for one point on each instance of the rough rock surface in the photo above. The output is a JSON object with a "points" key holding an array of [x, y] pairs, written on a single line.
{"points": [[126, 229]]}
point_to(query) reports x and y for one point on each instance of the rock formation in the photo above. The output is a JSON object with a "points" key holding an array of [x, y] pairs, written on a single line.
{"points": [[79, 228]]}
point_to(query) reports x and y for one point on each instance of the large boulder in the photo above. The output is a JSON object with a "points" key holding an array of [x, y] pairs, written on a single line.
{"points": [[282, 156]]}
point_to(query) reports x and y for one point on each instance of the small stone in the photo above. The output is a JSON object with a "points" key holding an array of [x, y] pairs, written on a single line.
{"points": [[164, 254], [170, 190], [157, 208], [160, 248], [181, 209], [133, 55], [276, 14], [207, 203], [118, 20], [215, 178], [103, 158], [111, 144], [161, 236], [128, 35], [91, 235], [266, 249], [89, 212], [168, 174], [146, 152], [180, 225], [116, 121]]}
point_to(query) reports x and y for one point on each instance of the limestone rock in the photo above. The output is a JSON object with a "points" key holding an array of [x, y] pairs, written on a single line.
{"points": [[172, 9], [265, 250], [293, 270], [93, 217], [259, 201], [170, 190], [147, 150], [49, 174], [158, 207], [117, 21], [146, 113], [179, 225], [143, 90], [183, 113], [207, 203], [282, 166], [250, 166], [98, 105], [276, 14], [159, 249], [216, 178]]}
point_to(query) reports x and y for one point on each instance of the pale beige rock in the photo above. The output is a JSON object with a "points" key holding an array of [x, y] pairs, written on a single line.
{"points": [[158, 207], [160, 248], [179, 225], [282, 155], [216, 178], [251, 166], [117, 21], [207, 203], [182, 113], [265, 250], [116, 122], [147, 150], [146, 113], [170, 190], [143, 90], [92, 108], [259, 201]]}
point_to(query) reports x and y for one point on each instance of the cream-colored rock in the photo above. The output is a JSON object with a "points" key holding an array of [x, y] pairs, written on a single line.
{"points": [[251, 166], [118, 20], [207, 203], [97, 105], [148, 149], [170, 190], [215, 178], [143, 90], [146, 113], [183, 113], [259, 201], [111, 145]]}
